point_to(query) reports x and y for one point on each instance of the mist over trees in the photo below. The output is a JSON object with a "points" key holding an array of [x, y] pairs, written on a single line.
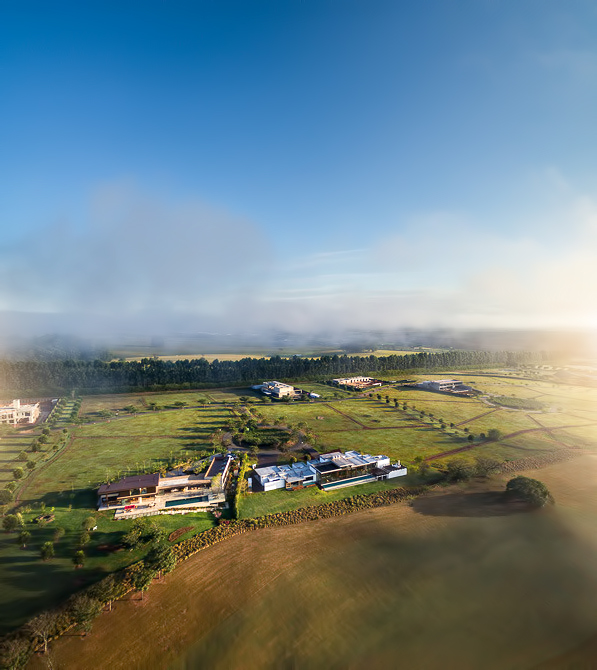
{"points": [[58, 377]]}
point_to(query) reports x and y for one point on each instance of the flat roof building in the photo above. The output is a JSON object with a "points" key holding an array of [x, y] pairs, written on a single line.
{"points": [[445, 385], [143, 495], [16, 413], [330, 471], [277, 389], [356, 382]]}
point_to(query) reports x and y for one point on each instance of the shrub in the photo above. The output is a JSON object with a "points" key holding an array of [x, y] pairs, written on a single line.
{"points": [[89, 523], [529, 490], [5, 496], [10, 523], [485, 466], [47, 551], [79, 558], [83, 610], [458, 470], [24, 537], [18, 473]]}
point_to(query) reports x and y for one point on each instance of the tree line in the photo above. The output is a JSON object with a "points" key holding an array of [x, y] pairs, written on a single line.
{"points": [[60, 377]]}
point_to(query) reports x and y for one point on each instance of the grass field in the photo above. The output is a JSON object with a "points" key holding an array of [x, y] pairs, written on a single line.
{"points": [[453, 581], [103, 448]]}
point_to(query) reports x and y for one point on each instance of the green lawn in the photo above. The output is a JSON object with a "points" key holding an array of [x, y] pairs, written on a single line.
{"points": [[186, 424], [403, 444], [31, 584], [10, 447], [258, 504], [318, 416], [117, 402]]}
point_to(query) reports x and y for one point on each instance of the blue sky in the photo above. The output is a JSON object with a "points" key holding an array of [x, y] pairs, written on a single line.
{"points": [[293, 162]]}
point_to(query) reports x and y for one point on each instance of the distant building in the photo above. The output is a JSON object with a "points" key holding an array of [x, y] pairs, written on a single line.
{"points": [[330, 471], [142, 495], [277, 389], [445, 385], [16, 413], [356, 382]]}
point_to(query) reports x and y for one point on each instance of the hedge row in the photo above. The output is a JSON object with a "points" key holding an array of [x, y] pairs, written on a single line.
{"points": [[244, 464], [228, 529]]}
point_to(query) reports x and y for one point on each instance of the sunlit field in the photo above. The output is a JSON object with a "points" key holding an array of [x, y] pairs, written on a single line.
{"points": [[490, 589], [120, 435]]}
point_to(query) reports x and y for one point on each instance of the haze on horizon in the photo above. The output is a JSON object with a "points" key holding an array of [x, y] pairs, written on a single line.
{"points": [[313, 166]]}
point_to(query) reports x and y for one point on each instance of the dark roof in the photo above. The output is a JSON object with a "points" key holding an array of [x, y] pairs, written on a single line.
{"points": [[217, 466], [327, 466], [136, 482]]}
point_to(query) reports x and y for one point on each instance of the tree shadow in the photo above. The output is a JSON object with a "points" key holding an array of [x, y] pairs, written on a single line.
{"points": [[480, 504]]}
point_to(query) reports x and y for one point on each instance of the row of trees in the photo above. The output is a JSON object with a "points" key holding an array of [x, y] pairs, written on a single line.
{"points": [[59, 377]]}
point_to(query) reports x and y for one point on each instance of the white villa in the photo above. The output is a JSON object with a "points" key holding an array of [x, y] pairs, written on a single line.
{"points": [[16, 413], [330, 471], [277, 389]]}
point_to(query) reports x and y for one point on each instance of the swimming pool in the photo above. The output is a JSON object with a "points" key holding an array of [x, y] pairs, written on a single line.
{"points": [[347, 482], [186, 501]]}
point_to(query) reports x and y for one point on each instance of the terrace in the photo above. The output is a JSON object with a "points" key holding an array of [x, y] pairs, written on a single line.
{"points": [[146, 495]]}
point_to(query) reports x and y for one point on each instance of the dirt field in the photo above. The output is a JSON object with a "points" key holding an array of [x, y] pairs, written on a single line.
{"points": [[457, 580]]}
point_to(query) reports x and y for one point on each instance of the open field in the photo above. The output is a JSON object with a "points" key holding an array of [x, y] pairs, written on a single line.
{"points": [[492, 589], [102, 448], [208, 357], [117, 402]]}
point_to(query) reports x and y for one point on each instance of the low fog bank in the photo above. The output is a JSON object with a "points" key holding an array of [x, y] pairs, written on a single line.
{"points": [[37, 337], [140, 269]]}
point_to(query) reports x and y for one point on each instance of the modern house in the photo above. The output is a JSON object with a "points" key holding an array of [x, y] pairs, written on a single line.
{"points": [[146, 494], [294, 476], [330, 471], [277, 389], [445, 386], [336, 470], [16, 413]]}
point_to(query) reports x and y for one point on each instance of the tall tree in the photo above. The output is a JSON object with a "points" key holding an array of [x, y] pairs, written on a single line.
{"points": [[43, 627]]}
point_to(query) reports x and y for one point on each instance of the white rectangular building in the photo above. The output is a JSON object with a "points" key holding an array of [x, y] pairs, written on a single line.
{"points": [[277, 389], [331, 470], [16, 413]]}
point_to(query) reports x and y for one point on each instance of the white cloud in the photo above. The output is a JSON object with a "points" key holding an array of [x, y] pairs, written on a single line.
{"points": [[189, 267]]}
